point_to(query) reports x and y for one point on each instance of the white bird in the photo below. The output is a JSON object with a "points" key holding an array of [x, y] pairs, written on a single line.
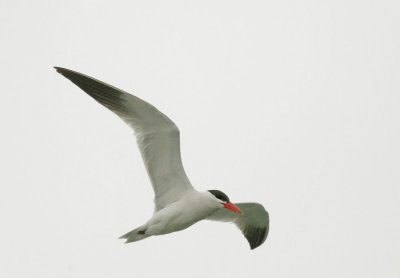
{"points": [[177, 204]]}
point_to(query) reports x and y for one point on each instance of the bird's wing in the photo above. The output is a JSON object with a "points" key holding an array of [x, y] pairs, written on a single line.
{"points": [[254, 223], [156, 135]]}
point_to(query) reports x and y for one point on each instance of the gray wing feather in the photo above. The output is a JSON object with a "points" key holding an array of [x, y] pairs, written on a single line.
{"points": [[157, 136], [254, 223]]}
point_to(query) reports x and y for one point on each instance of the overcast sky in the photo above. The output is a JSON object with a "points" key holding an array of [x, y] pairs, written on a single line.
{"points": [[293, 104]]}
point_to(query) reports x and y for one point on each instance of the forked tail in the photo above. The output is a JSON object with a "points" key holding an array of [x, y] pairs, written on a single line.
{"points": [[135, 235]]}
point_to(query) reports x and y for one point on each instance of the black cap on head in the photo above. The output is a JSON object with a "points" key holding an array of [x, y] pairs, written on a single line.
{"points": [[220, 195]]}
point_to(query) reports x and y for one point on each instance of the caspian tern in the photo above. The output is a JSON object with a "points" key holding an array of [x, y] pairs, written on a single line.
{"points": [[177, 204]]}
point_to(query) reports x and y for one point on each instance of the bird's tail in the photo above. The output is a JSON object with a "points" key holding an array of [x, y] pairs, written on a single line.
{"points": [[135, 235]]}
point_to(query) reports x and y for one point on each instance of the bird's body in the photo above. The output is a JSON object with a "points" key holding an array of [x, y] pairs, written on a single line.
{"points": [[177, 204], [195, 205]]}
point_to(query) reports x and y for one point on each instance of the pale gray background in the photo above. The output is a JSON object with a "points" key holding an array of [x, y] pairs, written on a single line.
{"points": [[294, 104]]}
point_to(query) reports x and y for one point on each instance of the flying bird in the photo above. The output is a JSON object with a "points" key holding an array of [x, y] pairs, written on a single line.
{"points": [[177, 204]]}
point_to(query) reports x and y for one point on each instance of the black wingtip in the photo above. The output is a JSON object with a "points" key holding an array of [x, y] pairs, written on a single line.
{"points": [[60, 69], [256, 236], [65, 71]]}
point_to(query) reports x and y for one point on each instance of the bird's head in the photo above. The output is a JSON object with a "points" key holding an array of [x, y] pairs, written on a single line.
{"points": [[223, 199]]}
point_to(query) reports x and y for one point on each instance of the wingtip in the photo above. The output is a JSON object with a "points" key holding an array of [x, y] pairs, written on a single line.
{"points": [[58, 69], [256, 236], [254, 246], [64, 70]]}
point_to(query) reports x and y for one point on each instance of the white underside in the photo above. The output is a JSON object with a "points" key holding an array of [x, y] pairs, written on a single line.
{"points": [[191, 208]]}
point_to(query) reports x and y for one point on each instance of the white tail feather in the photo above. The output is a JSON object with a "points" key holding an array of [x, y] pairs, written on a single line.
{"points": [[135, 235]]}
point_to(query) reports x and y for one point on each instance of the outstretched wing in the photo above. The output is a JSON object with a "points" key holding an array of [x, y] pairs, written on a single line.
{"points": [[254, 223], [157, 136]]}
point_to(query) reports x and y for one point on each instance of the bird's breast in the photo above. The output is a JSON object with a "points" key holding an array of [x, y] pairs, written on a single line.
{"points": [[179, 215]]}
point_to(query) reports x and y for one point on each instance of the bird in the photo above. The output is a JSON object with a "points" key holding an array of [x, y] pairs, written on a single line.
{"points": [[178, 205]]}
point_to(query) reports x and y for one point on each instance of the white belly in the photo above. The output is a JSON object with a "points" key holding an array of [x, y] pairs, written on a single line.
{"points": [[182, 214]]}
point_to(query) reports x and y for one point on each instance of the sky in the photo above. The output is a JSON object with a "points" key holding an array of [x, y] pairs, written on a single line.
{"points": [[292, 104]]}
